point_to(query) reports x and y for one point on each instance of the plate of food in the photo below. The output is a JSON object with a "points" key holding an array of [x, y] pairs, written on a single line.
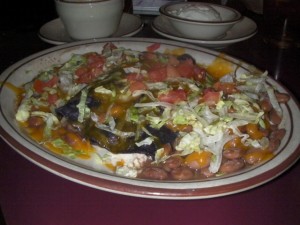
{"points": [[149, 118]]}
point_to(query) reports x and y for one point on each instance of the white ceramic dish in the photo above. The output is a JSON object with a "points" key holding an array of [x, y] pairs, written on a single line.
{"points": [[54, 31], [239, 32], [220, 19], [86, 174]]}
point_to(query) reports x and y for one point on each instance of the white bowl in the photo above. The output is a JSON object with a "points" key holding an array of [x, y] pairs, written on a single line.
{"points": [[199, 24], [88, 19]]}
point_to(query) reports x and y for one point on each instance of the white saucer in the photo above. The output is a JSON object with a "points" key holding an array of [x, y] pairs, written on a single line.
{"points": [[239, 32], [54, 31]]}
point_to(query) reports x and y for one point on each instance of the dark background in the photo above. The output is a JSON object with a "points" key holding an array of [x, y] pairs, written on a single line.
{"points": [[22, 14]]}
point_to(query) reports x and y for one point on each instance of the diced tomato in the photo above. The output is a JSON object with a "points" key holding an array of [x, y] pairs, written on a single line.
{"points": [[173, 60], [52, 82], [186, 69], [206, 90], [172, 71], [149, 56], [136, 82], [95, 60], [200, 73], [227, 88], [134, 77], [153, 47], [92, 70], [211, 97], [95, 72], [82, 75], [157, 75], [39, 85], [155, 65], [52, 98], [81, 71], [137, 85], [173, 96], [86, 75]]}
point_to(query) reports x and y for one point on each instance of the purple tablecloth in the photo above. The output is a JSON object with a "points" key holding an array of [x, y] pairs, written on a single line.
{"points": [[31, 195]]}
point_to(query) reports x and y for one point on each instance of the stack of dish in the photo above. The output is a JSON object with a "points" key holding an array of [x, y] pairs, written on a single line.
{"points": [[54, 31], [206, 24]]}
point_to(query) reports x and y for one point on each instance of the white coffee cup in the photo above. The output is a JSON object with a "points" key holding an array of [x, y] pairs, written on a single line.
{"points": [[89, 19]]}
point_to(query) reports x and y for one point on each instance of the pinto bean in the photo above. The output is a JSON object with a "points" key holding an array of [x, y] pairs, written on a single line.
{"points": [[205, 171], [282, 97], [182, 173], [273, 127], [243, 129], [198, 160], [254, 131], [231, 166], [257, 155], [172, 163], [274, 145], [274, 117], [278, 134], [232, 153], [154, 173], [253, 157], [275, 139], [265, 132], [266, 105]]}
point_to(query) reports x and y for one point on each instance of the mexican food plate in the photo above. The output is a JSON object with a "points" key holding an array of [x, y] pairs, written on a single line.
{"points": [[149, 118]]}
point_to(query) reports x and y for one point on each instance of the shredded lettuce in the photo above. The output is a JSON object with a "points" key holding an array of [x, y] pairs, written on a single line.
{"points": [[84, 110], [103, 90], [273, 99], [74, 63], [117, 132], [146, 141], [67, 149], [189, 143]]}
